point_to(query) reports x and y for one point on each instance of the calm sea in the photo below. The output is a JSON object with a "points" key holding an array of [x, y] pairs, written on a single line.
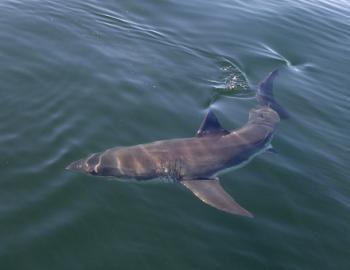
{"points": [[78, 77]]}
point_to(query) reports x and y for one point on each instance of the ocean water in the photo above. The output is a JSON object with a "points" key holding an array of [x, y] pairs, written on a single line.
{"points": [[78, 77]]}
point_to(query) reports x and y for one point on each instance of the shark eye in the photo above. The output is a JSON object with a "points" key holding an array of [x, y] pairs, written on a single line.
{"points": [[93, 160]]}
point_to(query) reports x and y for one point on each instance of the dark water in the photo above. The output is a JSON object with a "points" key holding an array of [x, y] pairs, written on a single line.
{"points": [[82, 76]]}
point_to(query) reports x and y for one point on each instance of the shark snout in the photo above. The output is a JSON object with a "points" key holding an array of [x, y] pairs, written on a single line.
{"points": [[78, 165]]}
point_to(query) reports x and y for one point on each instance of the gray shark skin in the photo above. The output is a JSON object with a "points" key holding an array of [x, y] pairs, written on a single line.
{"points": [[195, 162]]}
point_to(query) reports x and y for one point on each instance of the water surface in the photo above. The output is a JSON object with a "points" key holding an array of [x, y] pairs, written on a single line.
{"points": [[83, 76]]}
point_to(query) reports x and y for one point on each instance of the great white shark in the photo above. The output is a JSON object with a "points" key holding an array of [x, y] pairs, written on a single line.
{"points": [[195, 162]]}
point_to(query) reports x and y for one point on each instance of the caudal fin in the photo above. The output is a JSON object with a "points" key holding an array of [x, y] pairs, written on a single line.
{"points": [[265, 95]]}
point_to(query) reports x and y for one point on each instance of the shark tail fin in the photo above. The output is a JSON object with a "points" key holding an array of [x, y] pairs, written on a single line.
{"points": [[265, 95]]}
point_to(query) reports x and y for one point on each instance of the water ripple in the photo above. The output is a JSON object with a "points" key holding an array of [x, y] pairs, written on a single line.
{"points": [[79, 77]]}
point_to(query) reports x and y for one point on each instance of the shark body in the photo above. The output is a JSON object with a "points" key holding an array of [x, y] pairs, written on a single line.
{"points": [[196, 161]]}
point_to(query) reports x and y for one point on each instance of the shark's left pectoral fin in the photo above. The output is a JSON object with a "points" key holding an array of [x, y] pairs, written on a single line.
{"points": [[211, 192]]}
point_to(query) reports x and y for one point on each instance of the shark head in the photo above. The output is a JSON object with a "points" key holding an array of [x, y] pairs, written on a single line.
{"points": [[96, 164], [88, 165]]}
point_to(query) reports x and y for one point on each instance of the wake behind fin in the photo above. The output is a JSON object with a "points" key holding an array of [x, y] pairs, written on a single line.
{"points": [[265, 95], [270, 149], [211, 126], [211, 192]]}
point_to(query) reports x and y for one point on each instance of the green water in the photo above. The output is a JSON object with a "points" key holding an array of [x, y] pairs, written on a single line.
{"points": [[82, 76]]}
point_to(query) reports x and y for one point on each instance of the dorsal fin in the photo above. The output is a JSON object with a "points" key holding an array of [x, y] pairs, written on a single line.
{"points": [[210, 126]]}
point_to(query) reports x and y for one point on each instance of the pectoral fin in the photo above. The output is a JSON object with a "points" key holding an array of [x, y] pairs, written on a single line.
{"points": [[212, 193]]}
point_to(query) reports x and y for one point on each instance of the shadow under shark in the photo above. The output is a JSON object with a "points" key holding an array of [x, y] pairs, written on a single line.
{"points": [[195, 162]]}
